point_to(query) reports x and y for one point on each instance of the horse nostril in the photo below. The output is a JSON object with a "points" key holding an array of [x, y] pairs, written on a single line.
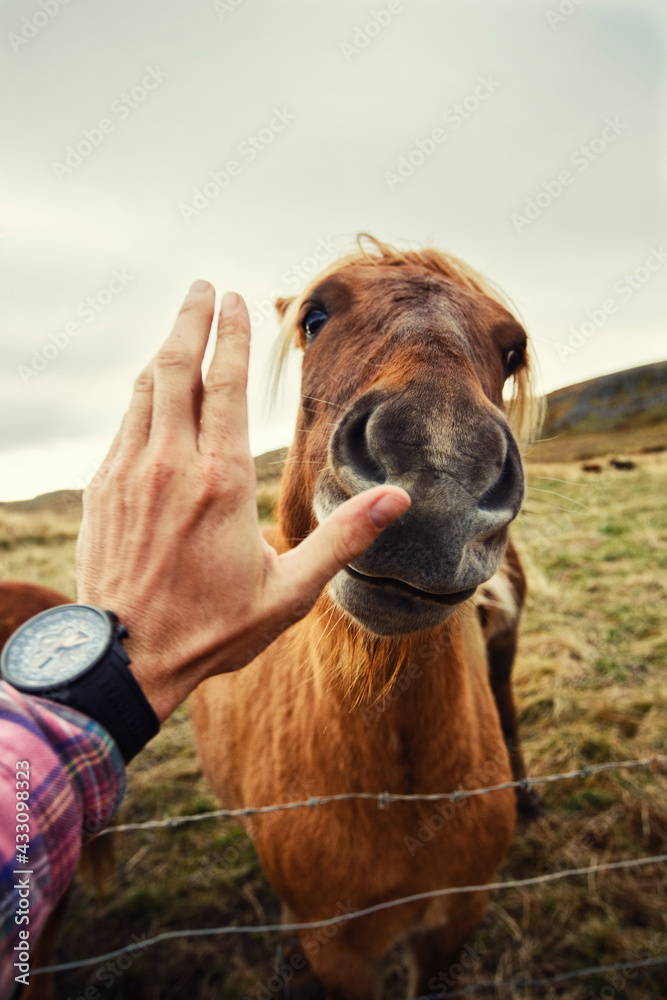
{"points": [[354, 451], [503, 493]]}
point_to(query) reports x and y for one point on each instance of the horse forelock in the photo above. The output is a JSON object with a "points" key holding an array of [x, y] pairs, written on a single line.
{"points": [[525, 409]]}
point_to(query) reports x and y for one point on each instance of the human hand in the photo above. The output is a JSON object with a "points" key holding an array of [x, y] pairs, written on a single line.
{"points": [[170, 538]]}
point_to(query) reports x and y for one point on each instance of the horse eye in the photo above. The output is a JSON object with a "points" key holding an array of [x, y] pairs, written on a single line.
{"points": [[512, 360], [313, 322]]}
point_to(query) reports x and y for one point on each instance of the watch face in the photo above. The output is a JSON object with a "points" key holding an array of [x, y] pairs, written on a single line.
{"points": [[55, 646]]}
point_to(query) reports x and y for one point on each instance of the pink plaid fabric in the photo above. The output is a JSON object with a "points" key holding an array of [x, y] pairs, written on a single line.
{"points": [[76, 783]]}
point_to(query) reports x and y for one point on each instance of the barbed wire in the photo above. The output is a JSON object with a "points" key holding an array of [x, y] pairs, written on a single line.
{"points": [[386, 798], [356, 914], [564, 977]]}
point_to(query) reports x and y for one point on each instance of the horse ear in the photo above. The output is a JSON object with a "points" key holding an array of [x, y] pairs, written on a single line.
{"points": [[282, 305]]}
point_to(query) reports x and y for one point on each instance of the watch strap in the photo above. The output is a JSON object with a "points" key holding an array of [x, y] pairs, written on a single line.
{"points": [[113, 697]]}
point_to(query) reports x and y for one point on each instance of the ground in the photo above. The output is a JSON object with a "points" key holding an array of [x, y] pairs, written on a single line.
{"points": [[590, 684]]}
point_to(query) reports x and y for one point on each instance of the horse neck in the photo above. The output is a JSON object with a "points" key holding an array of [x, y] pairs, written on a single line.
{"points": [[443, 666], [449, 661]]}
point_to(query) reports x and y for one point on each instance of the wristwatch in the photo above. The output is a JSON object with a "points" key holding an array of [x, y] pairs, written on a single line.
{"points": [[72, 654]]}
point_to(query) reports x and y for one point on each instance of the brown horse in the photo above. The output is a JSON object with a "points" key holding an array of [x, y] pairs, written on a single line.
{"points": [[20, 601], [387, 684]]}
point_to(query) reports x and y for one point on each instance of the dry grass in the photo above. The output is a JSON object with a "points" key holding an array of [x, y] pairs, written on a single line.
{"points": [[267, 498], [40, 548], [591, 687], [577, 447]]}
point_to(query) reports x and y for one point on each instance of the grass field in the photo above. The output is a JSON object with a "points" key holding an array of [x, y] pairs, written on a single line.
{"points": [[590, 683]]}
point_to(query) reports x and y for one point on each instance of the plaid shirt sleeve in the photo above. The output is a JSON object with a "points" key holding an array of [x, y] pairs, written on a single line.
{"points": [[75, 782]]}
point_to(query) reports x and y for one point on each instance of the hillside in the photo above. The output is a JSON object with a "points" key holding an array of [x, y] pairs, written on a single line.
{"points": [[269, 465], [58, 502], [609, 416], [636, 397]]}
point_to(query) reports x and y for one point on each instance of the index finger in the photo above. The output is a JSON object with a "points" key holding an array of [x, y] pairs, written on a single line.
{"points": [[224, 412]]}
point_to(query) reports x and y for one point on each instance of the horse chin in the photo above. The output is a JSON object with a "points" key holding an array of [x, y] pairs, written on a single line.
{"points": [[387, 608]]}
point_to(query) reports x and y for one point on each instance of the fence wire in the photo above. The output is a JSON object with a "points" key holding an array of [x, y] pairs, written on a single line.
{"points": [[564, 977], [355, 915], [384, 799]]}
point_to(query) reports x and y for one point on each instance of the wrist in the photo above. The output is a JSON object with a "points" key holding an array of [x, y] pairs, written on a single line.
{"points": [[163, 690], [73, 654]]}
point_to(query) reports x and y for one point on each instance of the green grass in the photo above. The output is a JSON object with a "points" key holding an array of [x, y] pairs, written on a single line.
{"points": [[590, 686]]}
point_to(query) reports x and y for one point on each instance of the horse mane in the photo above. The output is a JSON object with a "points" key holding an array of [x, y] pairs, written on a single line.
{"points": [[524, 407]]}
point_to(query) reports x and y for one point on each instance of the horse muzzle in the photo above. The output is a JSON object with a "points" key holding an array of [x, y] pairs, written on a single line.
{"points": [[464, 493]]}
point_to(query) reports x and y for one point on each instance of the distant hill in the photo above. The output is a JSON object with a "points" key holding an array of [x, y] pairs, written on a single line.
{"points": [[270, 464], [68, 502], [623, 412], [59, 502], [633, 398]]}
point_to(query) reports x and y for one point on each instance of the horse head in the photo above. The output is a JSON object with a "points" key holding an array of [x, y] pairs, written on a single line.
{"points": [[406, 356]]}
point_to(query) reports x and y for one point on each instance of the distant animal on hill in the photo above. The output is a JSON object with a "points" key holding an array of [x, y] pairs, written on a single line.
{"points": [[623, 466], [591, 467], [388, 684]]}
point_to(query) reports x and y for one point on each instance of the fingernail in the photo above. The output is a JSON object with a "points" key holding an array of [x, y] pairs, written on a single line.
{"points": [[229, 304], [198, 287], [386, 509]]}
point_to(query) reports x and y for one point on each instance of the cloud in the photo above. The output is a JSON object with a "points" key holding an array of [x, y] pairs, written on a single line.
{"points": [[323, 176]]}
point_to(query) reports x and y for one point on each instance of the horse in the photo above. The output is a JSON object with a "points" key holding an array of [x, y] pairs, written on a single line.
{"points": [[398, 680], [20, 601]]}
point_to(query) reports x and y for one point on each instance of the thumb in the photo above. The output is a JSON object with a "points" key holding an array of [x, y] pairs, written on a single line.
{"points": [[341, 538]]}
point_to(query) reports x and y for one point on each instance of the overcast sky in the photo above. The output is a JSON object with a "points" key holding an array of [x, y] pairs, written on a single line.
{"points": [[116, 112]]}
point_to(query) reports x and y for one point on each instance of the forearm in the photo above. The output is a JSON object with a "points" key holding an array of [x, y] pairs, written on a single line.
{"points": [[74, 777]]}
